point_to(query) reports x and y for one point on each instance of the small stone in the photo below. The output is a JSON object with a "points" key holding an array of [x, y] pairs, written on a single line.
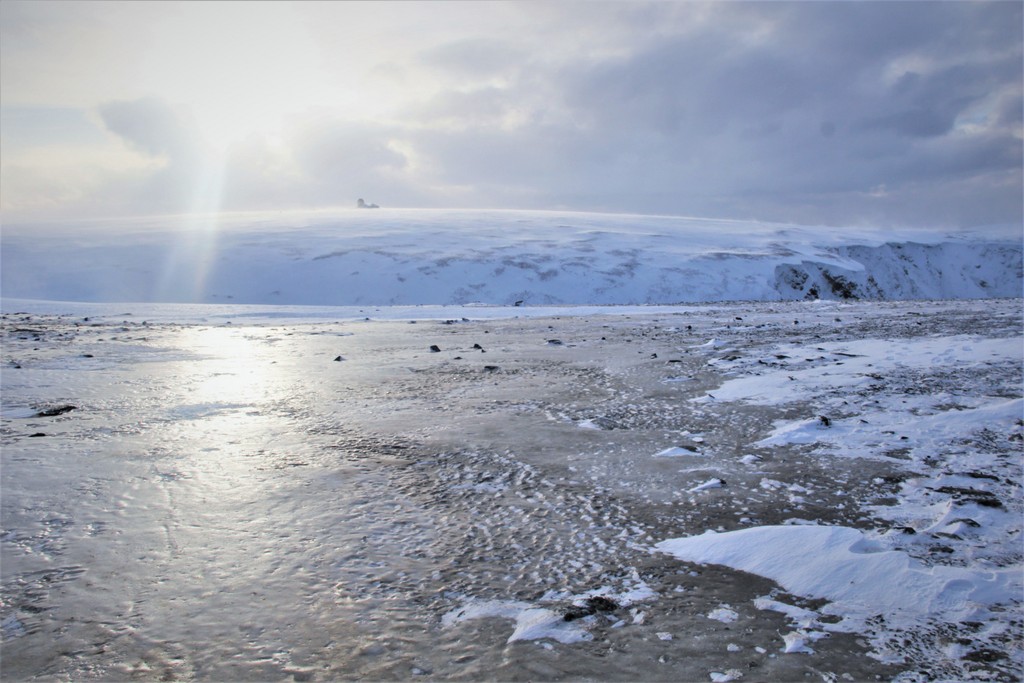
{"points": [[601, 603], [598, 603], [55, 410], [984, 655], [574, 613], [434, 348]]}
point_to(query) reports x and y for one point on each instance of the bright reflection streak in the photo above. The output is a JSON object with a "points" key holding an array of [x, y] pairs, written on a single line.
{"points": [[234, 372]]}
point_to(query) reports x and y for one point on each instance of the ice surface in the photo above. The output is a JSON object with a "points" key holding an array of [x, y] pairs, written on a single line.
{"points": [[226, 502]]}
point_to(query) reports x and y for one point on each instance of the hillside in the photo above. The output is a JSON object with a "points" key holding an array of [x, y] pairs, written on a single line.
{"points": [[404, 257]]}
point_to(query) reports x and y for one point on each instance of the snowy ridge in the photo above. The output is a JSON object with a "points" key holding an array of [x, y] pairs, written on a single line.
{"points": [[410, 257]]}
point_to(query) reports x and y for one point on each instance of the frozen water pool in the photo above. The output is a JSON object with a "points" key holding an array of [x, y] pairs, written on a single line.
{"points": [[312, 500]]}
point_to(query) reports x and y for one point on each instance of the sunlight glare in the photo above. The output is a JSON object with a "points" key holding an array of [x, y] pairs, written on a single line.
{"points": [[237, 376], [234, 75]]}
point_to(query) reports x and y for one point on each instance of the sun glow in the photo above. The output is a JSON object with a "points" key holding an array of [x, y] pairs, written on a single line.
{"points": [[261, 75], [232, 76]]}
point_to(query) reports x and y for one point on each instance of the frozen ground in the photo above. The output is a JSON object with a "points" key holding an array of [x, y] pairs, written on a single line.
{"points": [[289, 494]]}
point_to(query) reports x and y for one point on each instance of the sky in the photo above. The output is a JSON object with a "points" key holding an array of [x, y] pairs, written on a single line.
{"points": [[825, 113]]}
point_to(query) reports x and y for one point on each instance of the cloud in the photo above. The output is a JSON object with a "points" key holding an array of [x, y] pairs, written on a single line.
{"points": [[184, 175], [781, 111], [321, 161], [831, 113], [151, 126], [476, 58]]}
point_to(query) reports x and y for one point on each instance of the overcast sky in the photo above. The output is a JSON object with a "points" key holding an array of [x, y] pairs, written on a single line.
{"points": [[835, 113]]}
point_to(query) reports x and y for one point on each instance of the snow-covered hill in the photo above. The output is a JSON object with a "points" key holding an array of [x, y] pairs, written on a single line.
{"points": [[404, 256]]}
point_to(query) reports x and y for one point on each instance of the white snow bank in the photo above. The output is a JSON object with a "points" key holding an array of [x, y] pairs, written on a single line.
{"points": [[856, 574], [406, 257], [826, 367], [856, 436]]}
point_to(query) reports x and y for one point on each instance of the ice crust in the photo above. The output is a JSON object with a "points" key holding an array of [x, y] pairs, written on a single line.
{"points": [[440, 513]]}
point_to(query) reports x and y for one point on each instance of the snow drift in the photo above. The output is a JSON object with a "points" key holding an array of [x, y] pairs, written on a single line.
{"points": [[409, 257]]}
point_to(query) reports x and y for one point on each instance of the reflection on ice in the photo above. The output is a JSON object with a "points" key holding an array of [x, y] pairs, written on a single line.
{"points": [[227, 503]]}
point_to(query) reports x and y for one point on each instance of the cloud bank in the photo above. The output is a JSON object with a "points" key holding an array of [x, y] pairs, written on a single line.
{"points": [[826, 113]]}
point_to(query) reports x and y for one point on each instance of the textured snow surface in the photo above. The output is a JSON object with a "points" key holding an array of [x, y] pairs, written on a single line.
{"points": [[443, 257], [859, 576]]}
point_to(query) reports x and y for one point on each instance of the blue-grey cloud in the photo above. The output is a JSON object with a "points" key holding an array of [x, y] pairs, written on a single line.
{"points": [[903, 112], [151, 126], [814, 111]]}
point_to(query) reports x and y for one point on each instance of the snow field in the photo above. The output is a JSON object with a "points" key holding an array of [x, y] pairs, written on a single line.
{"points": [[403, 257]]}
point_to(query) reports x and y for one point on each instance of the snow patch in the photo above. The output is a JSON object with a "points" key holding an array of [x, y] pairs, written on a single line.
{"points": [[858, 576]]}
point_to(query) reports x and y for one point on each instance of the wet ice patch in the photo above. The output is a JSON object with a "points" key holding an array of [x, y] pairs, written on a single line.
{"points": [[11, 627], [482, 487], [17, 412], [198, 411]]}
